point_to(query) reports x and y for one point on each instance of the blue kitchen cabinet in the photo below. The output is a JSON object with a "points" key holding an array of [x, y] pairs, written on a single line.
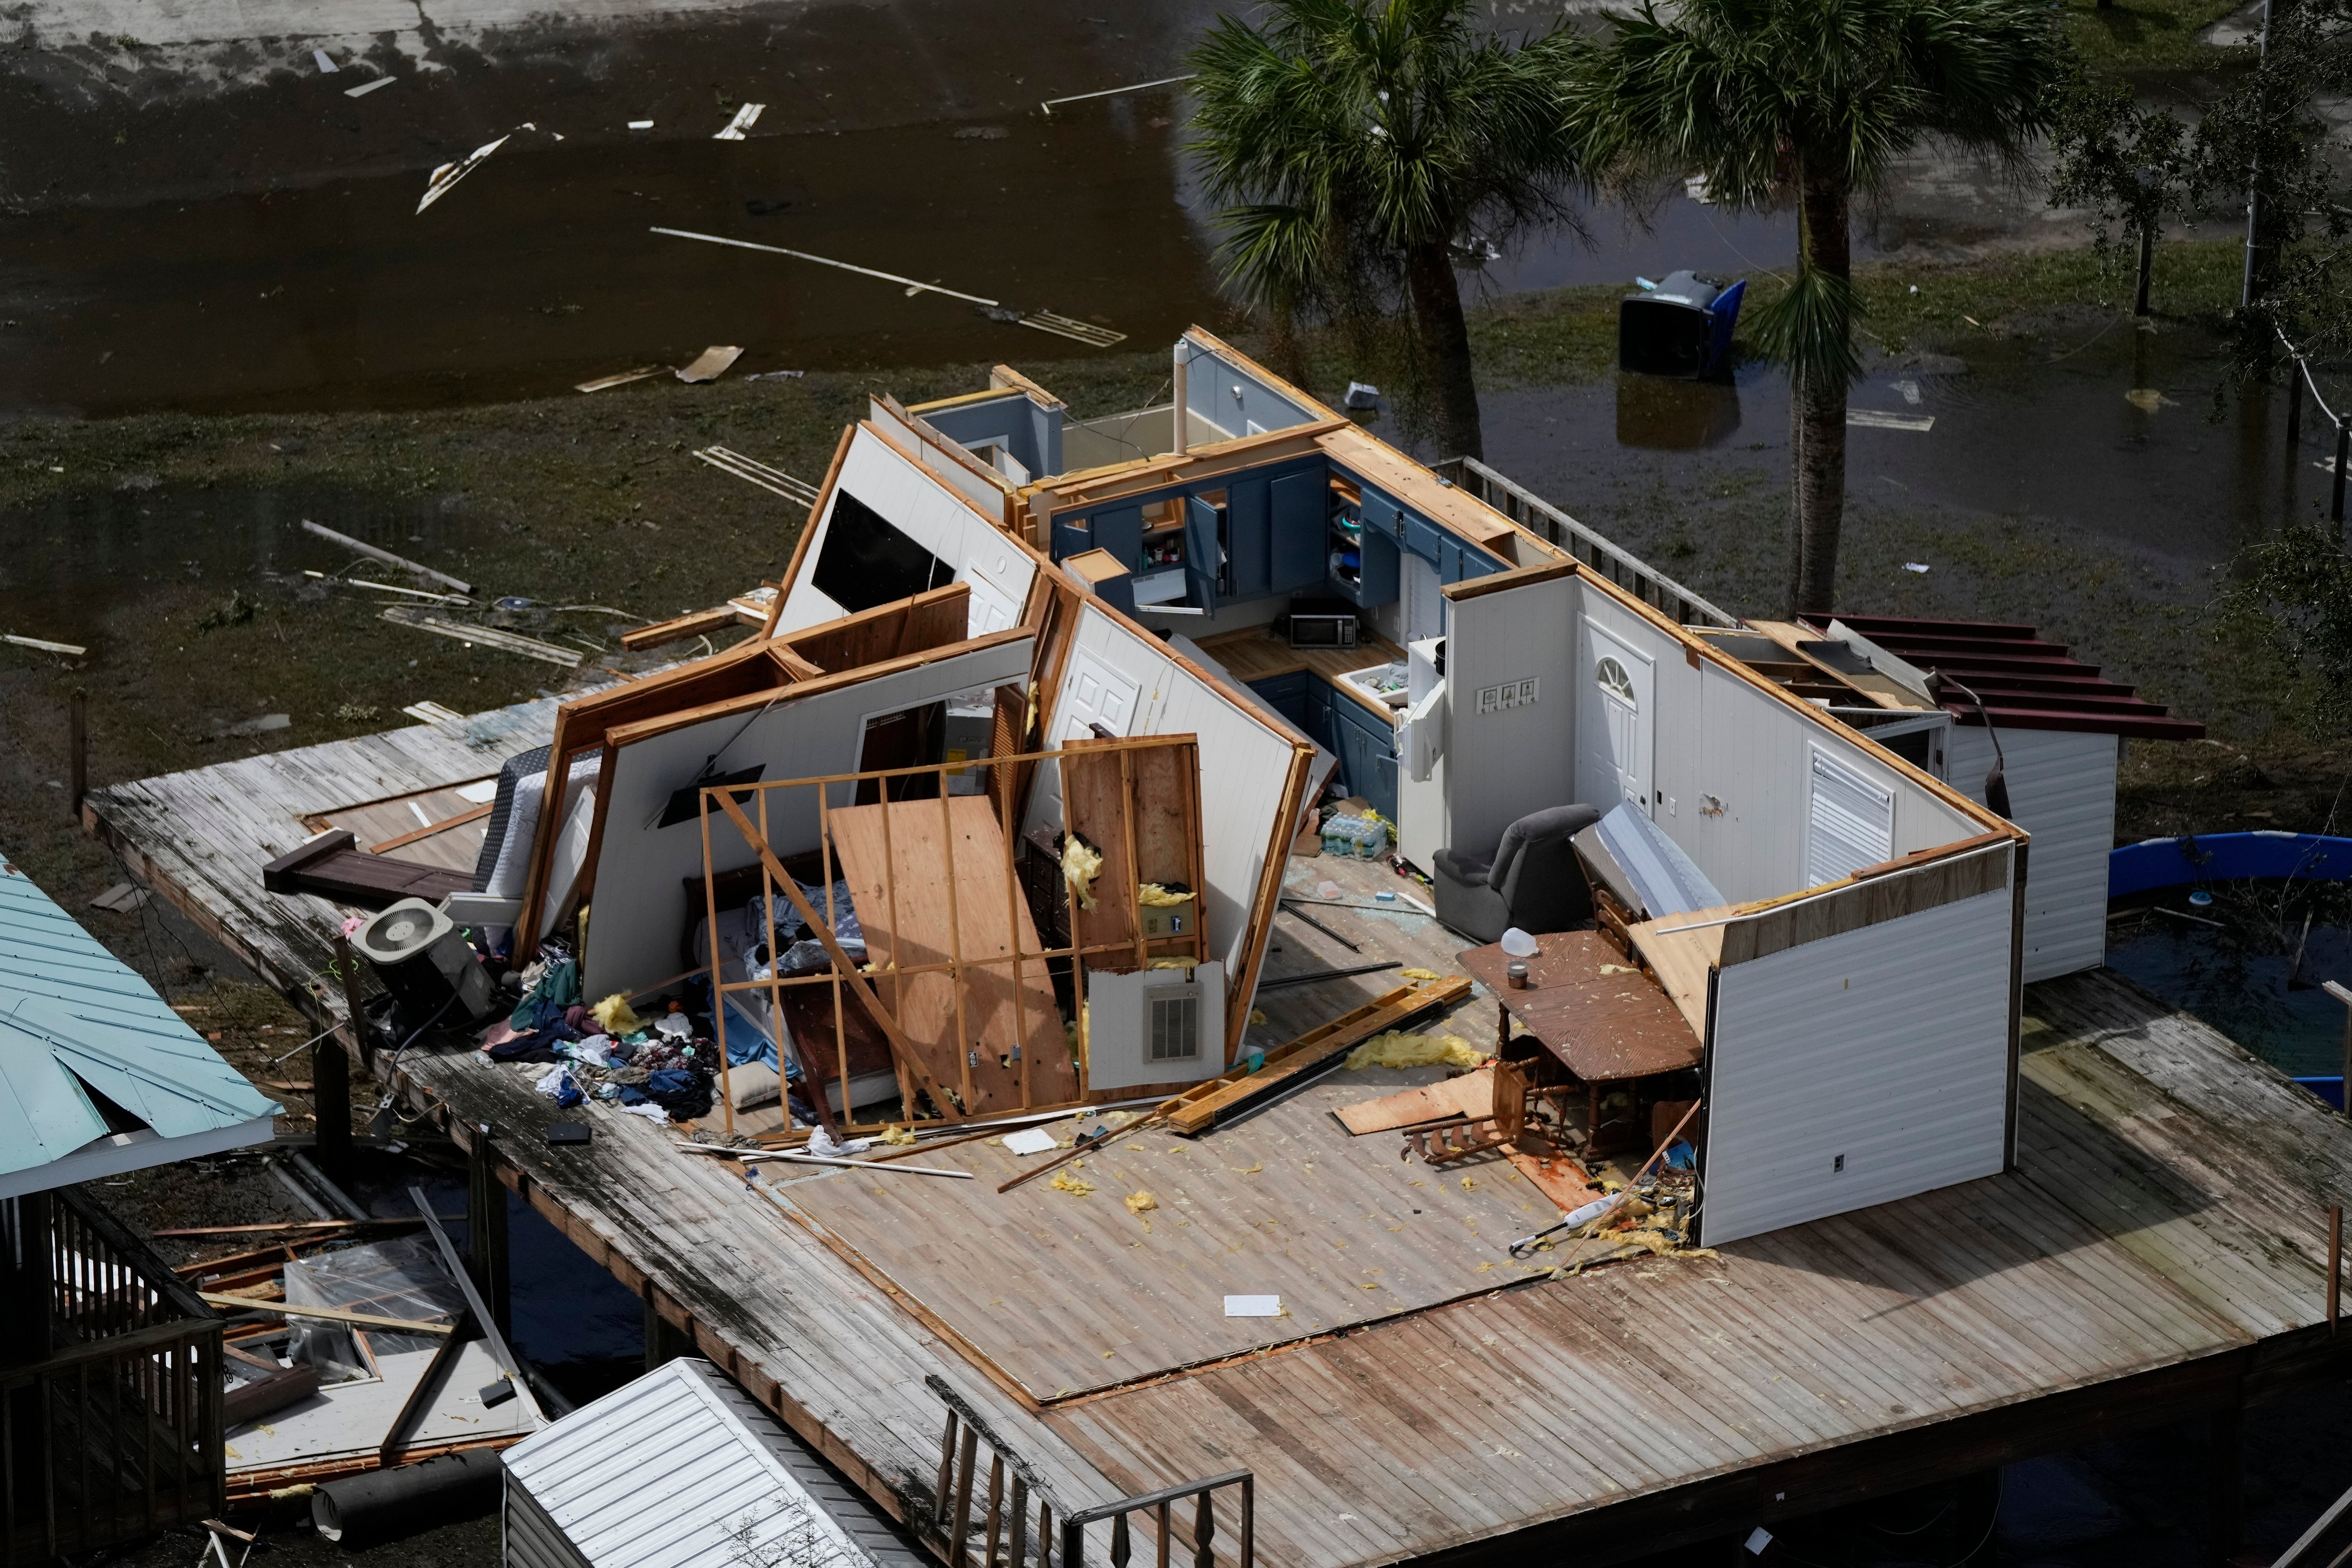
{"points": [[1120, 530], [1367, 748], [1249, 505], [1301, 511], [1424, 539], [1377, 578], [1286, 694], [1071, 539], [1319, 699], [1382, 516], [1202, 552]]}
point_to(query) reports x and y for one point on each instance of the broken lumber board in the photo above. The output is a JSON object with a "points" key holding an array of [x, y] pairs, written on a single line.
{"points": [[700, 624], [331, 1314], [1472, 1094], [1200, 1107]]}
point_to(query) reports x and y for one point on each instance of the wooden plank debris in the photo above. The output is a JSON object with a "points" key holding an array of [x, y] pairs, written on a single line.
{"points": [[760, 474], [374, 552], [483, 637], [44, 646], [330, 1314], [1200, 1107], [620, 378]]}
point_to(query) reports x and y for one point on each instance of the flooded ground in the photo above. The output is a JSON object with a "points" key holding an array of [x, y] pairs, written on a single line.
{"points": [[213, 224], [2250, 963]]}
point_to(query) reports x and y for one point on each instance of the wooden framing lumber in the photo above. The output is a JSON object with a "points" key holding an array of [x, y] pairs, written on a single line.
{"points": [[1200, 1108], [331, 1314], [700, 624]]}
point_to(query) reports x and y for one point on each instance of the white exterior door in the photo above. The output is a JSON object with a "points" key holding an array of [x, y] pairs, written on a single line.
{"points": [[1616, 719]]}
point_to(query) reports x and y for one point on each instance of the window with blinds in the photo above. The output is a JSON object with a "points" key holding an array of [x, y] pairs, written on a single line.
{"points": [[1850, 823]]}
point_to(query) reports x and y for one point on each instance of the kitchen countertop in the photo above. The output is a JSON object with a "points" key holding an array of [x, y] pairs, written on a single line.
{"points": [[1253, 654]]}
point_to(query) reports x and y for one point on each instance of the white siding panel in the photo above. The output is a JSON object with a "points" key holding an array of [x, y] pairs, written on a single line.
{"points": [[925, 508], [1888, 1046], [2061, 787], [1512, 760], [1244, 764]]}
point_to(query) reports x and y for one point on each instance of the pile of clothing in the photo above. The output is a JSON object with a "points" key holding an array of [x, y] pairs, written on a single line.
{"points": [[662, 1070]]}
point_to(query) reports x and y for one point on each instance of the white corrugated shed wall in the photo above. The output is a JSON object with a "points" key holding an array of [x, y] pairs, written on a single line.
{"points": [[1888, 1046], [530, 1538], [675, 1469], [2062, 785]]}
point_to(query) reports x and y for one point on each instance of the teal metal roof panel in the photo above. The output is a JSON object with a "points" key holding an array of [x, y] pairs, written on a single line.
{"points": [[75, 1018]]}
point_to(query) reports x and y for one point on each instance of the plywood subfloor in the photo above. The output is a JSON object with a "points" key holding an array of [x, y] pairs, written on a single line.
{"points": [[1065, 1293]]}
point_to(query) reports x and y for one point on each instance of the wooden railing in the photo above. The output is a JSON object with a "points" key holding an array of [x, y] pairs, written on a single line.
{"points": [[1531, 511], [1161, 1508], [111, 1424], [1001, 1526]]}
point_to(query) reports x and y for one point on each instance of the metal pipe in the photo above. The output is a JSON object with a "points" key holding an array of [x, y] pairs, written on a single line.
{"points": [[1183, 361]]}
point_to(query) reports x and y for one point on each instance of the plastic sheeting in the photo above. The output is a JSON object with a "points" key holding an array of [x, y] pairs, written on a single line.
{"points": [[400, 1279]]}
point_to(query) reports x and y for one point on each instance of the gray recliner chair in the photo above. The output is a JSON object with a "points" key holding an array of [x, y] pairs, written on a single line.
{"points": [[1531, 880]]}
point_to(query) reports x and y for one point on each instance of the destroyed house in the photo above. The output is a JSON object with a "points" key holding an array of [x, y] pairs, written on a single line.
{"points": [[1035, 834]]}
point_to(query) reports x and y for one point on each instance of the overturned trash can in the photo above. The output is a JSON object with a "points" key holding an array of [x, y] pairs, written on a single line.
{"points": [[1681, 327]]}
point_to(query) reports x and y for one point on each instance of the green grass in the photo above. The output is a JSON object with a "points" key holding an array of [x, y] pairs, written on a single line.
{"points": [[2133, 38]]}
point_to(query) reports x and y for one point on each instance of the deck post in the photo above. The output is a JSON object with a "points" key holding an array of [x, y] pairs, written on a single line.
{"points": [[77, 750], [330, 1098], [2225, 1481], [486, 1229]]}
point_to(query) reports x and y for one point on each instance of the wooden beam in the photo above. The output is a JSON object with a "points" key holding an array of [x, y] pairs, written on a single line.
{"points": [[700, 624], [1198, 1108], [327, 1314]]}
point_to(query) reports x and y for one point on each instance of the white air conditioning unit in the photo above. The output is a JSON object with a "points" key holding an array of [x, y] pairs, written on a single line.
{"points": [[1155, 1026]]}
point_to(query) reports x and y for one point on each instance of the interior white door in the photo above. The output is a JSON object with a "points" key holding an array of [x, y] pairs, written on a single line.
{"points": [[1093, 693], [990, 608], [1615, 721]]}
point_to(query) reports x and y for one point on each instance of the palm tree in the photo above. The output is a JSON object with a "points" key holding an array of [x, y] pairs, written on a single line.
{"points": [[1350, 143], [1807, 103]]}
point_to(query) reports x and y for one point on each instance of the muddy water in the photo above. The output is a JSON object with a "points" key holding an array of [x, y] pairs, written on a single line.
{"points": [[2112, 433]]}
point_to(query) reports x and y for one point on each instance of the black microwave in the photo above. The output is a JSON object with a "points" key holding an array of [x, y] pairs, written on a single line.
{"points": [[1322, 631]]}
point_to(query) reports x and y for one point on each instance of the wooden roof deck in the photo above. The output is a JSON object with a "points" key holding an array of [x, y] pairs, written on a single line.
{"points": [[2159, 1253]]}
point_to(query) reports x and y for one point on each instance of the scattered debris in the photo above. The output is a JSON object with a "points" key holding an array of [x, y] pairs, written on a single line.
{"points": [[1876, 419], [386, 556], [1252, 1306], [2147, 399], [759, 473], [1030, 1141], [1914, 566], [1362, 396], [1046, 108], [623, 379], [710, 366], [121, 899], [1694, 187], [1910, 391], [1077, 1187], [641, 125], [745, 118], [75, 650], [1140, 1203], [914, 283], [486, 636], [367, 87], [267, 723], [1063, 326], [433, 713], [327, 65], [449, 175], [1399, 1049], [776, 375]]}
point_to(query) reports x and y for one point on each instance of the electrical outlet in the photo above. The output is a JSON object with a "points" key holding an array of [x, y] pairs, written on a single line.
{"points": [[1509, 694]]}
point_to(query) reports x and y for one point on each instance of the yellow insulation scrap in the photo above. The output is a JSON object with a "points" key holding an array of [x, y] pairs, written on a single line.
{"points": [[895, 1135], [1174, 963], [1077, 1186], [1399, 1049], [1138, 1202], [1422, 976], [612, 1016], [1081, 864], [1154, 894]]}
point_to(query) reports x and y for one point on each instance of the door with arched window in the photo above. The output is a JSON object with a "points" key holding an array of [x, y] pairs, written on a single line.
{"points": [[1614, 723]]}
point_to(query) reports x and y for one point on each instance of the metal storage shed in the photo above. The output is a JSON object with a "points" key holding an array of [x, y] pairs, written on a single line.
{"points": [[2061, 726], [681, 1467]]}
